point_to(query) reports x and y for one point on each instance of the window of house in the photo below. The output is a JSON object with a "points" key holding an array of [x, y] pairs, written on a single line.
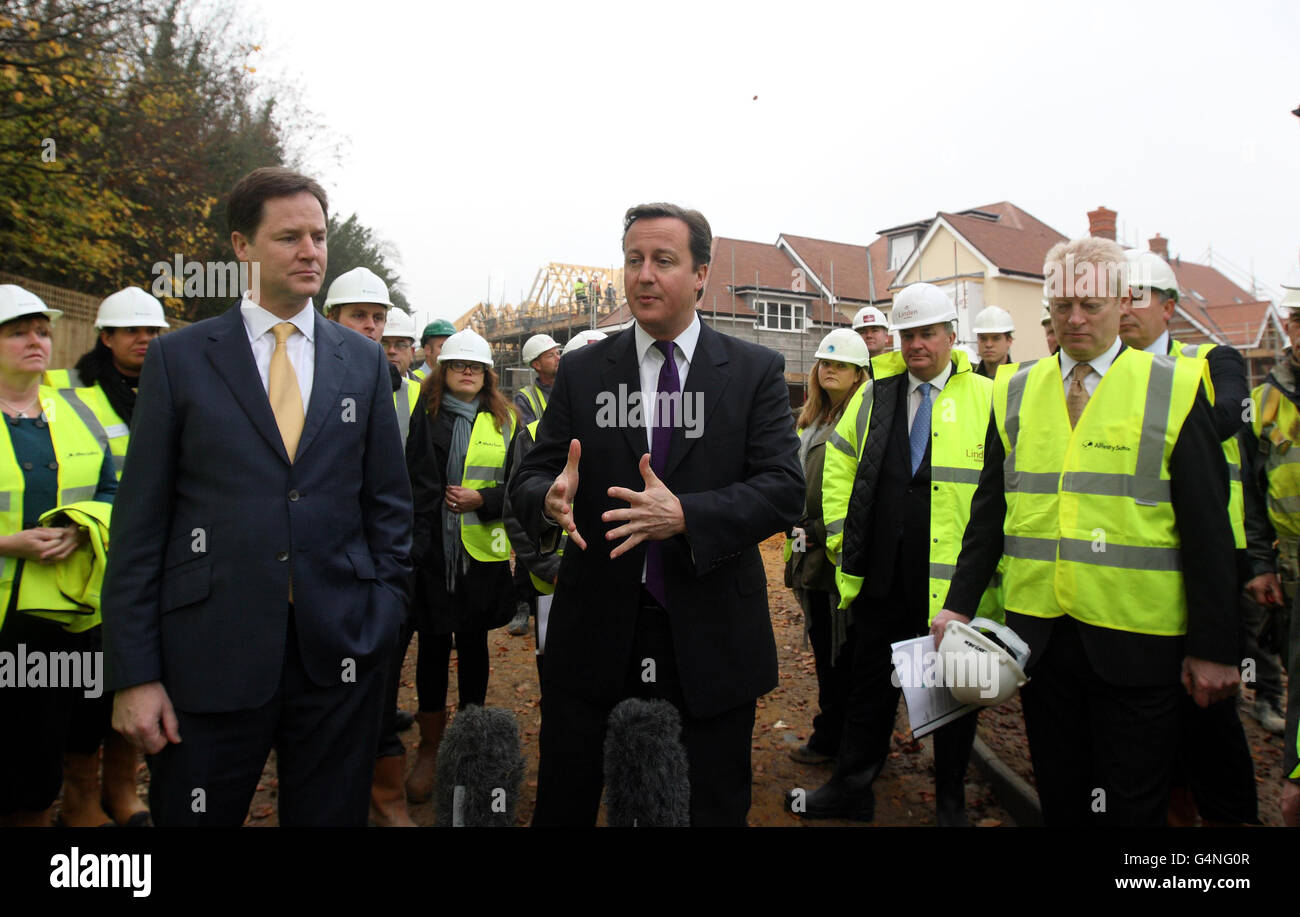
{"points": [[780, 316], [899, 248]]}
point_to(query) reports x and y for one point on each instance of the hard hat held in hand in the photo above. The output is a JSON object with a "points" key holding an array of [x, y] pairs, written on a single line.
{"points": [[399, 325], [1148, 271], [537, 345], [131, 308], [844, 346], [15, 302], [359, 285], [921, 304], [869, 317], [581, 339], [466, 345], [976, 669], [993, 320]]}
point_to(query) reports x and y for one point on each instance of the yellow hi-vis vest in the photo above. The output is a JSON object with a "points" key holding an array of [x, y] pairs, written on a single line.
{"points": [[113, 433], [959, 420], [540, 584], [1276, 423], [536, 400], [485, 466], [69, 591], [1231, 452], [62, 378], [79, 456], [404, 400], [1090, 530]]}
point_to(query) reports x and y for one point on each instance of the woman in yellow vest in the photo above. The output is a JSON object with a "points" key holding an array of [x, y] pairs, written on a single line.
{"points": [[48, 458], [842, 358], [458, 455]]}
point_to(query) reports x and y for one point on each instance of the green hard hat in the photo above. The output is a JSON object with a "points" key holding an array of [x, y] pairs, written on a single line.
{"points": [[439, 328]]}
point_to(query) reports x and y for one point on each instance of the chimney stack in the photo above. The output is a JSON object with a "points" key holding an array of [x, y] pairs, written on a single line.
{"points": [[1101, 223], [1160, 246]]}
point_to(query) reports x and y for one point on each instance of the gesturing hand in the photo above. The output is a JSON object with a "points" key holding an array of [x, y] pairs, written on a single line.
{"points": [[562, 493], [655, 513]]}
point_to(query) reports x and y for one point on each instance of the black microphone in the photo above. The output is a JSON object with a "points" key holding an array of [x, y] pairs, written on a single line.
{"points": [[647, 779], [480, 770]]}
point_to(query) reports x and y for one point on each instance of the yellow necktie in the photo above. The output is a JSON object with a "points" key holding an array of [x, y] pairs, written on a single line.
{"points": [[282, 388], [1078, 395]]}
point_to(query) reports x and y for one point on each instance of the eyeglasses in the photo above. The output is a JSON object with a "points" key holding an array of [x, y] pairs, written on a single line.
{"points": [[400, 344], [461, 366]]}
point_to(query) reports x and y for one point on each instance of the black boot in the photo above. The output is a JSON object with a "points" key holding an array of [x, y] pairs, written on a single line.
{"points": [[952, 745], [848, 793]]}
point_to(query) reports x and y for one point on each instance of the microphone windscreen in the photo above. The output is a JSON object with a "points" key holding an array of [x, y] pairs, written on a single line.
{"points": [[480, 770], [647, 779]]}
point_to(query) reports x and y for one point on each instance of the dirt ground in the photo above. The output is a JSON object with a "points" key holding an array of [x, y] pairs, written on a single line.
{"points": [[904, 791]]}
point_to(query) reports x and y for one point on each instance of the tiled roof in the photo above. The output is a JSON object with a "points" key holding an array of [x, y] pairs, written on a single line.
{"points": [[1015, 242]]}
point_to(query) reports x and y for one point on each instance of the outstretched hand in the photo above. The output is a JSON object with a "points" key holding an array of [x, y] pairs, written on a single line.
{"points": [[654, 514], [562, 493]]}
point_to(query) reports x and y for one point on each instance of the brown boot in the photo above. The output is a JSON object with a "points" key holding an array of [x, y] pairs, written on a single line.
{"points": [[80, 807], [387, 800], [419, 786], [121, 800]]}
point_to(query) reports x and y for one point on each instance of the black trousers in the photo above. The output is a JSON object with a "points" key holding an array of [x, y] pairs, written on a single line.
{"points": [[390, 743], [572, 740], [833, 676], [324, 740], [1102, 753], [1214, 762], [472, 670]]}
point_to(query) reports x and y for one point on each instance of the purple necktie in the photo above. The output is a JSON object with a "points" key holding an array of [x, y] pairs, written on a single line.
{"points": [[661, 438]]}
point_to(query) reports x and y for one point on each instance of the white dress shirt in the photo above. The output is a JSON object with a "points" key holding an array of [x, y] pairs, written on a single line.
{"points": [[1160, 345], [650, 360], [1099, 366], [914, 392], [301, 345]]}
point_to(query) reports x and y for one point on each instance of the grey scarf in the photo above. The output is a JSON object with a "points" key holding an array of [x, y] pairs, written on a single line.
{"points": [[455, 560]]}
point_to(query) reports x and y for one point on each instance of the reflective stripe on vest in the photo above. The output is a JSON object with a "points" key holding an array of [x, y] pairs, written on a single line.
{"points": [[1231, 454], [80, 456], [485, 466], [1108, 529], [959, 421], [62, 378], [406, 396], [94, 409], [1281, 459]]}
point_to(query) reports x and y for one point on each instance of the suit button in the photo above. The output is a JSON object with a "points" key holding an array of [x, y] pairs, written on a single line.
{"points": [[282, 556], [53, 466], [293, 496], [27, 466]]}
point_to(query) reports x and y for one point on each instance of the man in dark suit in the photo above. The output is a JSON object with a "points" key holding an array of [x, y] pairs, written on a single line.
{"points": [[671, 602], [1116, 624], [258, 570]]}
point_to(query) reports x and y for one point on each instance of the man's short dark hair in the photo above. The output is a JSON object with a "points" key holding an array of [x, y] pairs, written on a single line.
{"points": [[244, 211], [701, 236]]}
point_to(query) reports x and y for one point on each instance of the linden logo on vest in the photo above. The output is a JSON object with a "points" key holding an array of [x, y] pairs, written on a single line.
{"points": [[103, 870], [36, 669]]}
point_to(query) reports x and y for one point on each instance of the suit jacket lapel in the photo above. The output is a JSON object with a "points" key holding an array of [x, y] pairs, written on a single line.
{"points": [[232, 358], [706, 381], [621, 369], [326, 382]]}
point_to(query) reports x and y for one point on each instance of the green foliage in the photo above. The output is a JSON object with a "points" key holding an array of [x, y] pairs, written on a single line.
{"points": [[353, 245]]}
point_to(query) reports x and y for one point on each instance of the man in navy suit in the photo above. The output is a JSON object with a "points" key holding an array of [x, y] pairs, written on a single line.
{"points": [[661, 593], [259, 562]]}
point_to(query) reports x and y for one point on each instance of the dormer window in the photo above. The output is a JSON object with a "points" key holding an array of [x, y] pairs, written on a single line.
{"points": [[900, 247]]}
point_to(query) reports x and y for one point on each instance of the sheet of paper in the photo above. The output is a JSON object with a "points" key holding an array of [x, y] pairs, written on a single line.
{"points": [[919, 671], [543, 615]]}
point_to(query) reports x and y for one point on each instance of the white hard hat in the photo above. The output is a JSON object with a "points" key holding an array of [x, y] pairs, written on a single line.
{"points": [[976, 669], [590, 336], [466, 345], [359, 285], [1147, 270], [1047, 314], [868, 317], [1291, 300], [845, 346], [131, 308], [993, 320], [15, 302], [400, 324], [537, 345], [921, 304]]}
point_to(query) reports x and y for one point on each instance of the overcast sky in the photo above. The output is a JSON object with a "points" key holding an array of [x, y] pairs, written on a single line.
{"points": [[485, 140]]}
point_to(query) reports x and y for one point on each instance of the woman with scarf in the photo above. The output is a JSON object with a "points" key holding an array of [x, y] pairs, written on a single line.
{"points": [[458, 454], [841, 368]]}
